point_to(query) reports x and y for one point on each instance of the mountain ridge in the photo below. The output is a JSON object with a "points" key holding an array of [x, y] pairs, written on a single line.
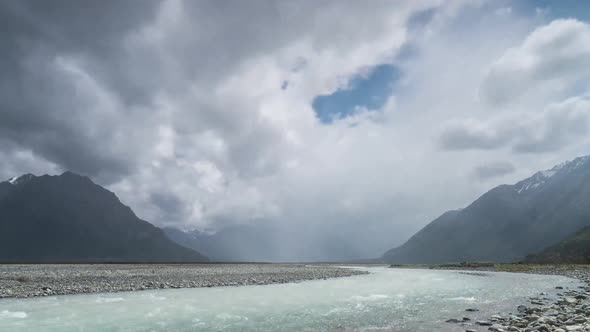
{"points": [[508, 222], [69, 218]]}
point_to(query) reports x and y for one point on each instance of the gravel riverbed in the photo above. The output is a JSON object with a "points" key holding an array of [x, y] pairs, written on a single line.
{"points": [[33, 280], [569, 311]]}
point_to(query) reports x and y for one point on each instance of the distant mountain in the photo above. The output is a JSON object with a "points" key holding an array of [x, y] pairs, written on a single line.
{"points": [[240, 243], [68, 218], [573, 250], [508, 222], [268, 241]]}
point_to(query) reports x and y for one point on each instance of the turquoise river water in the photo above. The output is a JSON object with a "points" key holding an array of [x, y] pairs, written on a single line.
{"points": [[385, 300]]}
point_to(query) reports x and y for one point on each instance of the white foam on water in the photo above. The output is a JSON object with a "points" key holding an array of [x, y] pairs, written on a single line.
{"points": [[227, 316], [463, 298], [372, 297], [13, 314], [333, 311], [109, 299], [155, 297]]}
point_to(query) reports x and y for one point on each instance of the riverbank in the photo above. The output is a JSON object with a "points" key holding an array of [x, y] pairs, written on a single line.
{"points": [[569, 311], [32, 280]]}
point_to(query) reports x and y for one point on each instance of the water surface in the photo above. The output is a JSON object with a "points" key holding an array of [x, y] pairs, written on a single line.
{"points": [[385, 300]]}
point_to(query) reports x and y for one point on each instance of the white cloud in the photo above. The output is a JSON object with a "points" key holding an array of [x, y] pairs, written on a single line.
{"points": [[553, 59], [558, 125]]}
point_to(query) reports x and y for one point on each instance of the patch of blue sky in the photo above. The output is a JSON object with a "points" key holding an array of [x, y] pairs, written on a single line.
{"points": [[369, 92], [554, 9]]}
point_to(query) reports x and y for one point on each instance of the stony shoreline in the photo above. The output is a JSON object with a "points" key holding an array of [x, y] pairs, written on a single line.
{"points": [[570, 311], [22, 281]]}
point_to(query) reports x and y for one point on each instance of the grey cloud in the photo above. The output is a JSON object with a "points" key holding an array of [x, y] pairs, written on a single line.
{"points": [[42, 108], [137, 51], [16, 161], [549, 130], [471, 135], [171, 206], [92, 30], [493, 170], [563, 123], [49, 114]]}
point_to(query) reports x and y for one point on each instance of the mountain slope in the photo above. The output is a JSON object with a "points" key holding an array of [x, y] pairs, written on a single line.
{"points": [[573, 250], [69, 218], [508, 222]]}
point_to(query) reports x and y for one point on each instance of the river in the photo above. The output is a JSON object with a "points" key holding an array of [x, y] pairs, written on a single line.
{"points": [[385, 300]]}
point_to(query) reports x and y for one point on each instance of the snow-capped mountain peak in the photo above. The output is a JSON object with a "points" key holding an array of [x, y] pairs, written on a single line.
{"points": [[576, 163], [540, 178], [21, 179], [535, 181]]}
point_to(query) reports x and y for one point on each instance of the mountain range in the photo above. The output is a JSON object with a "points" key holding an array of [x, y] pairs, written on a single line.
{"points": [[68, 218], [508, 222]]}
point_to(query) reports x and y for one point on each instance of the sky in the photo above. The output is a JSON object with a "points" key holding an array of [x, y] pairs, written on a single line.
{"points": [[346, 122]]}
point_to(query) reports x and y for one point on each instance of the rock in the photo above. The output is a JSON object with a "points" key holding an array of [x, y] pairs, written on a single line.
{"points": [[483, 323], [497, 328], [551, 312], [570, 300], [453, 320]]}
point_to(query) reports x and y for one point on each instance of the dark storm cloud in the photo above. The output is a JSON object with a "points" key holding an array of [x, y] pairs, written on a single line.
{"points": [[41, 108], [49, 47], [90, 29]]}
